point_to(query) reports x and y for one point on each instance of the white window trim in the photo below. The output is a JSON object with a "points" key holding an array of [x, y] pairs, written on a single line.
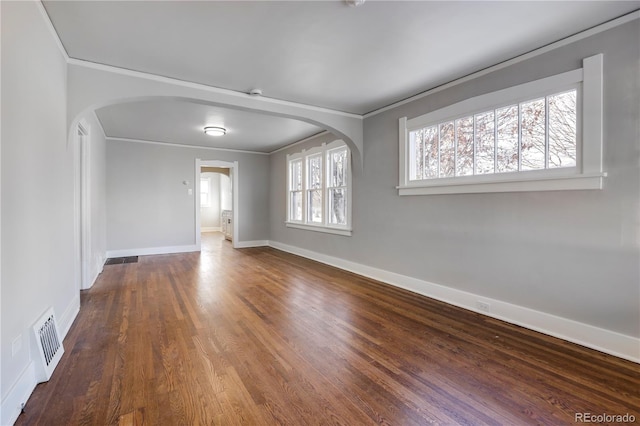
{"points": [[588, 173], [324, 226]]}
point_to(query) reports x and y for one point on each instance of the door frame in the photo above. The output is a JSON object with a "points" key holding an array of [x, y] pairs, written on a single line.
{"points": [[234, 174], [82, 194]]}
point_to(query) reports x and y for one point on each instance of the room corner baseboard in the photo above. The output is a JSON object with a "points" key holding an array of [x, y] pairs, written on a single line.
{"points": [[151, 251], [602, 340], [248, 244], [97, 270], [18, 395]]}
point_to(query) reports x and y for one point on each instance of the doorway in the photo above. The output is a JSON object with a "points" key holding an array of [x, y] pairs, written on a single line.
{"points": [[216, 199]]}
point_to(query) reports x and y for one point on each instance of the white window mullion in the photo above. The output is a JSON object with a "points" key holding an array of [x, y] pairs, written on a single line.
{"points": [[455, 147], [475, 148], [519, 137], [424, 155], [495, 141], [326, 188], [439, 147], [546, 132], [304, 178]]}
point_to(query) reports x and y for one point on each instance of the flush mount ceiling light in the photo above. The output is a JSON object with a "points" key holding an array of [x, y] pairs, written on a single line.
{"points": [[354, 3], [215, 131]]}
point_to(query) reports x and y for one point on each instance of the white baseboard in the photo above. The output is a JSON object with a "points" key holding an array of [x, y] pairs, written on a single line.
{"points": [[606, 341], [151, 251], [247, 244], [18, 395], [210, 229]]}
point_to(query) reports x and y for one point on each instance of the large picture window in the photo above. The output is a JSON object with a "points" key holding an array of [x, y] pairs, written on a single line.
{"points": [[537, 134], [543, 135], [319, 189]]}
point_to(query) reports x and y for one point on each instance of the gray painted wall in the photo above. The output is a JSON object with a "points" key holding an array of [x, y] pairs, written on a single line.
{"points": [[37, 185], [148, 206], [573, 254]]}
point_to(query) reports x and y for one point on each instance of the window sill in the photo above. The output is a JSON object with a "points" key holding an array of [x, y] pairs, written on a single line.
{"points": [[320, 228], [556, 183]]}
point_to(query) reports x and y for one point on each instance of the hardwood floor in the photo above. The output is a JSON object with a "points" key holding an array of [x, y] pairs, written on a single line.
{"points": [[261, 337]]}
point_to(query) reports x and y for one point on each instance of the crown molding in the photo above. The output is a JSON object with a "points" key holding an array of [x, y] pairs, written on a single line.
{"points": [[176, 145], [52, 30], [537, 52]]}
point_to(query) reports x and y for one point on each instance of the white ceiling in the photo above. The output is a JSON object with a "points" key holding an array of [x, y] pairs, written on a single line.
{"points": [[321, 53]]}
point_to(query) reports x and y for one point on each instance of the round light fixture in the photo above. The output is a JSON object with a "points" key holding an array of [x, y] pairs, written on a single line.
{"points": [[215, 131]]}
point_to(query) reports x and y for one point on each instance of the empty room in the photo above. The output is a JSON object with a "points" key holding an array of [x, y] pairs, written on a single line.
{"points": [[319, 212]]}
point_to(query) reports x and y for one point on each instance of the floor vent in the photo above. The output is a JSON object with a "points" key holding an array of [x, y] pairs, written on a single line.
{"points": [[48, 345], [120, 260]]}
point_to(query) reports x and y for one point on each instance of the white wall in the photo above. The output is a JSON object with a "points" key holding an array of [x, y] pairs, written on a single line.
{"points": [[37, 194], [210, 215], [149, 208], [569, 255]]}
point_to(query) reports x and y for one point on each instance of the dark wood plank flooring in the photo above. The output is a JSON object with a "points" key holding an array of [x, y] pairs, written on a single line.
{"points": [[261, 337]]}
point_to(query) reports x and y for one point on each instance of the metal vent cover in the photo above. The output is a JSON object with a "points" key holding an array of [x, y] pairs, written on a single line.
{"points": [[48, 344]]}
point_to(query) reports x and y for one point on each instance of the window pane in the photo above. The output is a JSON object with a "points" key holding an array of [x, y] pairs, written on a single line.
{"points": [[430, 152], [204, 192], [533, 128], [295, 179], [447, 150], [416, 166], [314, 206], [485, 143], [507, 120], [337, 168], [314, 170], [337, 206], [562, 130], [464, 165], [295, 206]]}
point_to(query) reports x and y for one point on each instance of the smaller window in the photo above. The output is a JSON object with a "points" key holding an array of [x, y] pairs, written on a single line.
{"points": [[318, 187], [205, 192]]}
